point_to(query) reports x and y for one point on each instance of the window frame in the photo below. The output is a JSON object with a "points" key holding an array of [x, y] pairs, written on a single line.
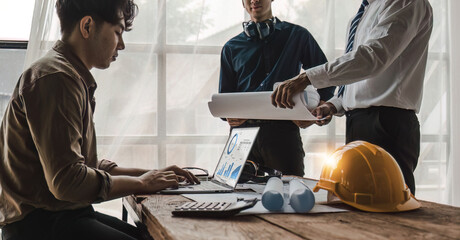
{"points": [[331, 139], [12, 44]]}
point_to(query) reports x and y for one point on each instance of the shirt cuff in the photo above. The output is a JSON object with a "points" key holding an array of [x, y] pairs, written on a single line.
{"points": [[106, 165], [337, 102], [318, 76], [106, 185]]}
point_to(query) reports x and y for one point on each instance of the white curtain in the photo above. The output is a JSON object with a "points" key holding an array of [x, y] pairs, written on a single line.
{"points": [[152, 103], [453, 177], [43, 30]]}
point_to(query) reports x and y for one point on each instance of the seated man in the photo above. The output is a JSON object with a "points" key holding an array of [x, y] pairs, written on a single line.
{"points": [[49, 170], [269, 51]]}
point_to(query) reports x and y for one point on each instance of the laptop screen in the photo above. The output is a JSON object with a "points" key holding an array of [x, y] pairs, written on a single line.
{"points": [[234, 155]]}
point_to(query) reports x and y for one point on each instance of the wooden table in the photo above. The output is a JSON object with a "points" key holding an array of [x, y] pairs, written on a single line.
{"points": [[432, 221]]}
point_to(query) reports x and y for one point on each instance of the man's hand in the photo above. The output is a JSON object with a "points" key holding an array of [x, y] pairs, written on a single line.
{"points": [[149, 182], [154, 181], [282, 96], [326, 111], [235, 122], [303, 124], [182, 175]]}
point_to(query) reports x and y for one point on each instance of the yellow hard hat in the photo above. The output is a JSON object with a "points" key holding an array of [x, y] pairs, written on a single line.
{"points": [[366, 177]]}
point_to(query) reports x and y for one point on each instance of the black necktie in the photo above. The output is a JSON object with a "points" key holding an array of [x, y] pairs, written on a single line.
{"points": [[351, 36]]}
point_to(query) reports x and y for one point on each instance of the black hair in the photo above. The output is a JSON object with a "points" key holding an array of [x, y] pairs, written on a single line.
{"points": [[70, 12]]}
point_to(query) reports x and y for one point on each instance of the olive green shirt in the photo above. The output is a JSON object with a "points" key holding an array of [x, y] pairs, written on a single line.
{"points": [[48, 155]]}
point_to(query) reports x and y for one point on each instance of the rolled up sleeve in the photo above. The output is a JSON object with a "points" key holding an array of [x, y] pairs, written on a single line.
{"points": [[106, 165]]}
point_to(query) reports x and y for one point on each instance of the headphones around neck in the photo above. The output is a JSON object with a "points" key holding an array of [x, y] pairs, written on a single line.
{"points": [[259, 30]]}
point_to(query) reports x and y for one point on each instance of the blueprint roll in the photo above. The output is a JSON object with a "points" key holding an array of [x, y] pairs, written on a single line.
{"points": [[301, 198], [272, 197]]}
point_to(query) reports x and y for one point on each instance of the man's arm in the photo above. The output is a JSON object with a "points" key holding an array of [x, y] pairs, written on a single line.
{"points": [[55, 109], [182, 175], [228, 81], [150, 182], [126, 181], [398, 25], [55, 121], [312, 57]]}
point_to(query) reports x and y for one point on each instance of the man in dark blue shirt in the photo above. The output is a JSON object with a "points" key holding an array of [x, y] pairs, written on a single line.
{"points": [[269, 51]]}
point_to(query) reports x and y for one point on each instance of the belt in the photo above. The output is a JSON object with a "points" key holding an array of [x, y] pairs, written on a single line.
{"points": [[375, 108]]}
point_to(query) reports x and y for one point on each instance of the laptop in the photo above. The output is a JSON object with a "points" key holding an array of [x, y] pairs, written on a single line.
{"points": [[229, 167]]}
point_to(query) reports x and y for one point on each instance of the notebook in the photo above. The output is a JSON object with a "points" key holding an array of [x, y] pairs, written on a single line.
{"points": [[229, 167]]}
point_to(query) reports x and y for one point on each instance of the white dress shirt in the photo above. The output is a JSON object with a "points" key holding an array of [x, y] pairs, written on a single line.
{"points": [[387, 64]]}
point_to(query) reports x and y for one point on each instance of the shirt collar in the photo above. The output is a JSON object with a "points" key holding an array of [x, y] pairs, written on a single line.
{"points": [[64, 49], [278, 24], [370, 1]]}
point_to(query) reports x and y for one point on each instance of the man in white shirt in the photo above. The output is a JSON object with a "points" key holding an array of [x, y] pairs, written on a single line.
{"points": [[383, 76]]}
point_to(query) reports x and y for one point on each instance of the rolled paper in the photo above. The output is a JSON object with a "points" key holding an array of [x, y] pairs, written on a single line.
{"points": [[301, 197], [310, 95], [272, 197]]}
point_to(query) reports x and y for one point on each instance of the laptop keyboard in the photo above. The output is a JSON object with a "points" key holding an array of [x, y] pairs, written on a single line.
{"points": [[208, 185]]}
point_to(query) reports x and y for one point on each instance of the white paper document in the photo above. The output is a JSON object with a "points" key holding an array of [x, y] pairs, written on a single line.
{"points": [[258, 208], [258, 105], [320, 198]]}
